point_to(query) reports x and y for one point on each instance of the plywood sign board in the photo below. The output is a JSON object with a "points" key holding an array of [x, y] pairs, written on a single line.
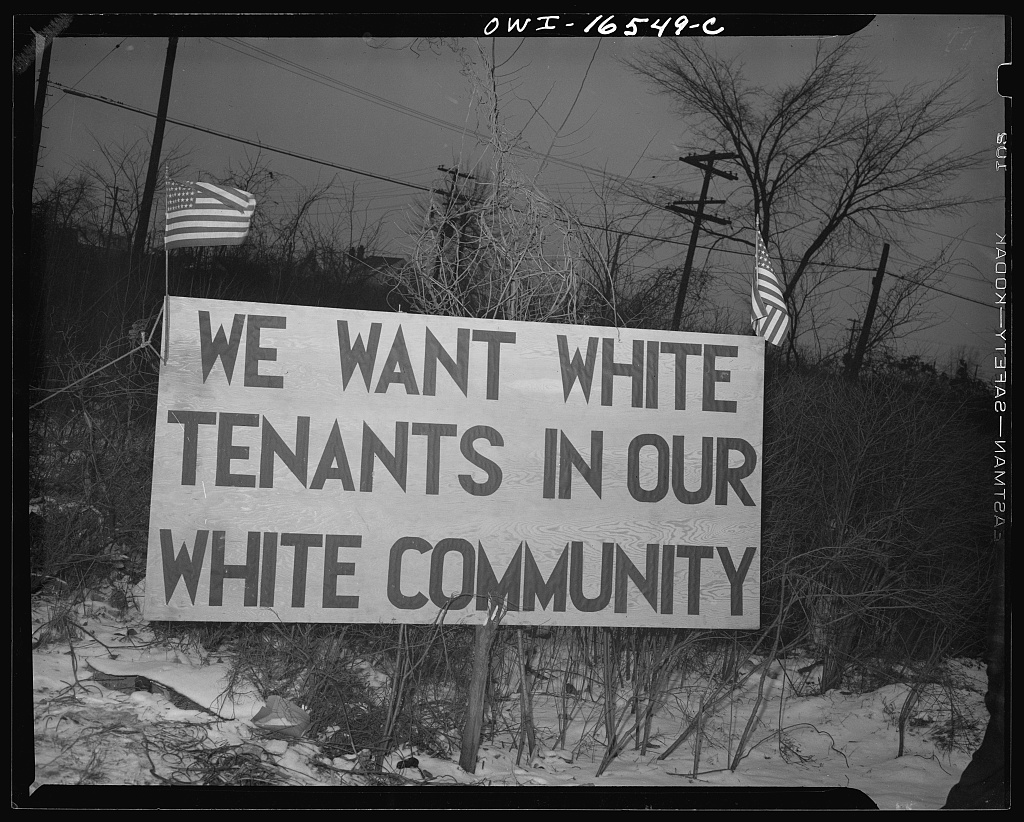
{"points": [[324, 465]]}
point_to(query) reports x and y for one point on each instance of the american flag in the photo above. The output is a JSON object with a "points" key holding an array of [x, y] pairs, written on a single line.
{"points": [[206, 214], [768, 309]]}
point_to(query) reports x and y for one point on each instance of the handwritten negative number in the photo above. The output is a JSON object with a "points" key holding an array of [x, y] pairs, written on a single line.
{"points": [[682, 23]]}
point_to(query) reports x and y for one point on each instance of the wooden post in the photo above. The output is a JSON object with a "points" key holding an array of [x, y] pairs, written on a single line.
{"points": [[865, 331], [478, 689], [139, 245], [697, 739]]}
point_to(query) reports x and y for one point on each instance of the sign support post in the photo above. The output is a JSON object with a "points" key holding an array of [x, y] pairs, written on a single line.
{"points": [[484, 640]]}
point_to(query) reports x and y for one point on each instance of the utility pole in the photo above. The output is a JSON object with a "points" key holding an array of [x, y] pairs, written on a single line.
{"points": [[110, 229], [113, 211], [876, 287], [453, 192], [28, 257], [456, 173], [848, 355], [37, 125], [706, 162], [450, 226], [154, 155]]}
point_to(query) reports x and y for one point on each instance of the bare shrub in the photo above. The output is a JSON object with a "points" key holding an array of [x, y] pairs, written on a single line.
{"points": [[873, 517], [368, 688], [90, 465], [496, 248]]}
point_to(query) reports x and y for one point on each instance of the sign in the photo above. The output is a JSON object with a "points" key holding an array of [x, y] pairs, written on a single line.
{"points": [[324, 465]]}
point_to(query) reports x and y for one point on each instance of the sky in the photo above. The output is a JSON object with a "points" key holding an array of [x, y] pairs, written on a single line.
{"points": [[396, 107]]}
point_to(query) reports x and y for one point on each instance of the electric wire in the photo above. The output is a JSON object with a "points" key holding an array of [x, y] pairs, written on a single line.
{"points": [[243, 140], [385, 178], [90, 71], [348, 88]]}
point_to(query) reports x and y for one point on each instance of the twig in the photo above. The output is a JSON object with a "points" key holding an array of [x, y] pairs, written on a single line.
{"points": [[147, 343], [525, 703], [760, 687]]}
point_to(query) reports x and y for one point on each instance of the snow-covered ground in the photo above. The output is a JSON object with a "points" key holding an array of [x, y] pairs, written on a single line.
{"points": [[92, 728]]}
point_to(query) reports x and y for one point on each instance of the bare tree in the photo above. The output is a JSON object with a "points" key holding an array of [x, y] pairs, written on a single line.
{"points": [[835, 160], [253, 174], [120, 174], [630, 280], [68, 201], [312, 228]]}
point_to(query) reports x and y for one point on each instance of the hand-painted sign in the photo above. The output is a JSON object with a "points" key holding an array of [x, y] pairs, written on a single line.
{"points": [[323, 465]]}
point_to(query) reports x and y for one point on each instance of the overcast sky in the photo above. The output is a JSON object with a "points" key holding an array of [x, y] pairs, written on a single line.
{"points": [[392, 108]]}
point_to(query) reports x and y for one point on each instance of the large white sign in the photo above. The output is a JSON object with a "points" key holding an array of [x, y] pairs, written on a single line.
{"points": [[323, 465]]}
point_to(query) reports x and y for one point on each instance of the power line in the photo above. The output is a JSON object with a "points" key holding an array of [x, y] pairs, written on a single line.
{"points": [[307, 158], [324, 79], [254, 143], [951, 237], [376, 99], [942, 290], [329, 164], [338, 85], [90, 71]]}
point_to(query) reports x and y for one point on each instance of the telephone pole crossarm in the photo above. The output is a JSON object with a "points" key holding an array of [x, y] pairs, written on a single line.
{"points": [[706, 163], [677, 208]]}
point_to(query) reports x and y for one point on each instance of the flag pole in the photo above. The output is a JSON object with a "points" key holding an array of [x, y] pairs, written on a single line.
{"points": [[167, 276], [753, 281], [167, 315]]}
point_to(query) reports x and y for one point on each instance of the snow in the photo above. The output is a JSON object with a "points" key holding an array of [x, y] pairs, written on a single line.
{"points": [[86, 733]]}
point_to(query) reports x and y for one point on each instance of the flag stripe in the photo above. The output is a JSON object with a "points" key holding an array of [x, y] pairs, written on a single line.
{"points": [[201, 240], [229, 197], [200, 231], [210, 221], [201, 214], [769, 316]]}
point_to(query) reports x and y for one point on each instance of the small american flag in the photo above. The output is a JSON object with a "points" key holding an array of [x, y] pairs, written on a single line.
{"points": [[206, 214], [768, 309]]}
